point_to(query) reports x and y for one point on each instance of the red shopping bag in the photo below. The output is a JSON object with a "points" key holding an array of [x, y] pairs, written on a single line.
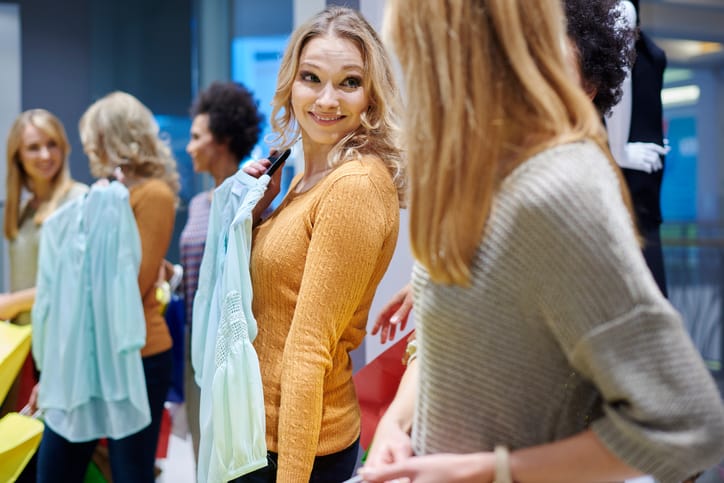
{"points": [[164, 435], [376, 385]]}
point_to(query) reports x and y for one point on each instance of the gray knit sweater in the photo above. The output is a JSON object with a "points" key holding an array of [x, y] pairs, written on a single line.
{"points": [[563, 329]]}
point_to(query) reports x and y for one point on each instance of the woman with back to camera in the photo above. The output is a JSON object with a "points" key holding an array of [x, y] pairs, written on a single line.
{"points": [[317, 260], [119, 133], [226, 127], [546, 350], [37, 157]]}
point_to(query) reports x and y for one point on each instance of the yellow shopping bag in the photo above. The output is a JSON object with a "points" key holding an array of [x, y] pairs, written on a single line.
{"points": [[14, 348], [19, 439]]}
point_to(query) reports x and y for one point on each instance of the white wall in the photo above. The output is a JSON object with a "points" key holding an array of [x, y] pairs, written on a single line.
{"points": [[10, 100], [398, 274], [304, 9], [9, 76]]}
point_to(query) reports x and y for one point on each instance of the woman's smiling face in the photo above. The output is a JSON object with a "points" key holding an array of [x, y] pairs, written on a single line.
{"points": [[328, 94], [40, 154]]}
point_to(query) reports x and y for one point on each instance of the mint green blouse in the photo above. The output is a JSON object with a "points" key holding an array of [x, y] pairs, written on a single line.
{"points": [[23, 250]]}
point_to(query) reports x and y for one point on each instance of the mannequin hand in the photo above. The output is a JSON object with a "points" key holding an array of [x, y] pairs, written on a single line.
{"points": [[643, 156]]}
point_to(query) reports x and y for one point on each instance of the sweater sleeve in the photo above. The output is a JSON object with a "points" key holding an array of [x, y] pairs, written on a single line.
{"points": [[662, 412], [154, 213], [350, 226], [153, 209]]}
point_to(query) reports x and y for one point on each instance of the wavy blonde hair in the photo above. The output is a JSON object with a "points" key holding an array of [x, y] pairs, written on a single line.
{"points": [[119, 131], [17, 178], [488, 87], [378, 134]]}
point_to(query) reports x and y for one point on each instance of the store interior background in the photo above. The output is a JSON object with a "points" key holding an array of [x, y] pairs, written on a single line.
{"points": [[64, 55]]}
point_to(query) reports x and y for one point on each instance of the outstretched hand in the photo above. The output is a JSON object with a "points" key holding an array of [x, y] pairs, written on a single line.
{"points": [[394, 315]]}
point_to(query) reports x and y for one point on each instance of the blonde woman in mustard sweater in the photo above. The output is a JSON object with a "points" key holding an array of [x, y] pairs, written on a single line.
{"points": [[317, 260]]}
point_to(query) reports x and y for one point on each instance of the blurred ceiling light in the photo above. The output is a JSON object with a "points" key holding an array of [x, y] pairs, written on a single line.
{"points": [[672, 75], [687, 50], [680, 96]]}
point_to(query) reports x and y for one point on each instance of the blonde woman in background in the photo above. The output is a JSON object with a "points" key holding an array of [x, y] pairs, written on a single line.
{"points": [[37, 166], [546, 350], [121, 139]]}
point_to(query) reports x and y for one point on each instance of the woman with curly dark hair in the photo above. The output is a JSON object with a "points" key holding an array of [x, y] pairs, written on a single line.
{"points": [[605, 48], [226, 126]]}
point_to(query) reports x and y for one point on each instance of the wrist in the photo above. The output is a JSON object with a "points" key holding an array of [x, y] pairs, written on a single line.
{"points": [[502, 465]]}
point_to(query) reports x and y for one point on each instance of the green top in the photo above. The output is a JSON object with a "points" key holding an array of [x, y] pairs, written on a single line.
{"points": [[23, 250]]}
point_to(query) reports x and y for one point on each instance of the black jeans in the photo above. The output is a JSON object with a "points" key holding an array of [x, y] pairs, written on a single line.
{"points": [[331, 468], [132, 457]]}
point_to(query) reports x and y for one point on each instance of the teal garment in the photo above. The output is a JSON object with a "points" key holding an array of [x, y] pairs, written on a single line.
{"points": [[88, 319], [232, 418], [23, 249]]}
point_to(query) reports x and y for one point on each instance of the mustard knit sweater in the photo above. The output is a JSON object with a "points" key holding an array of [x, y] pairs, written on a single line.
{"points": [[153, 207], [315, 265]]}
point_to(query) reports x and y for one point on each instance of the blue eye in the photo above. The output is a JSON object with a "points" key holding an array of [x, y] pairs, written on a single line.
{"points": [[308, 76], [352, 82]]}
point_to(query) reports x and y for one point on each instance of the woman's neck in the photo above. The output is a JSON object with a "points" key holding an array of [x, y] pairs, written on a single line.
{"points": [[315, 169], [223, 168], [42, 190]]}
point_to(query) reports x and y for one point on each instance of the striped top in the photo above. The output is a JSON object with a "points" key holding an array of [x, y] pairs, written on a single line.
{"points": [[191, 244], [562, 329]]}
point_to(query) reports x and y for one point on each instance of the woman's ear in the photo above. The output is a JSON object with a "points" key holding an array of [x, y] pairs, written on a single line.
{"points": [[590, 90]]}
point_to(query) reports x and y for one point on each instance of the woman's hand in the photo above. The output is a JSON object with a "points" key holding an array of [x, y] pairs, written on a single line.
{"points": [[7, 307], [33, 399], [256, 169], [394, 315], [450, 468], [391, 444]]}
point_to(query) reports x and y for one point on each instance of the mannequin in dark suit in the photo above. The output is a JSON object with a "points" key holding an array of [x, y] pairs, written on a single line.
{"points": [[639, 120]]}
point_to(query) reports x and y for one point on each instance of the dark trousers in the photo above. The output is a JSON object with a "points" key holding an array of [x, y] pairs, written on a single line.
{"points": [[132, 458], [332, 468]]}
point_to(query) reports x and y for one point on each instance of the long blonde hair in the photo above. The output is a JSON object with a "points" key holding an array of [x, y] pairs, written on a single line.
{"points": [[378, 134], [119, 131], [17, 178], [488, 87]]}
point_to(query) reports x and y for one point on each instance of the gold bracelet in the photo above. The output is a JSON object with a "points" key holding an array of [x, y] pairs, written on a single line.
{"points": [[502, 465], [410, 352]]}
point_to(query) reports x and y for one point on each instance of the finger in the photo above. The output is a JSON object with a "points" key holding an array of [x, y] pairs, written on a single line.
{"points": [[385, 473], [392, 331], [399, 452], [382, 320], [385, 334], [403, 313], [659, 149]]}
